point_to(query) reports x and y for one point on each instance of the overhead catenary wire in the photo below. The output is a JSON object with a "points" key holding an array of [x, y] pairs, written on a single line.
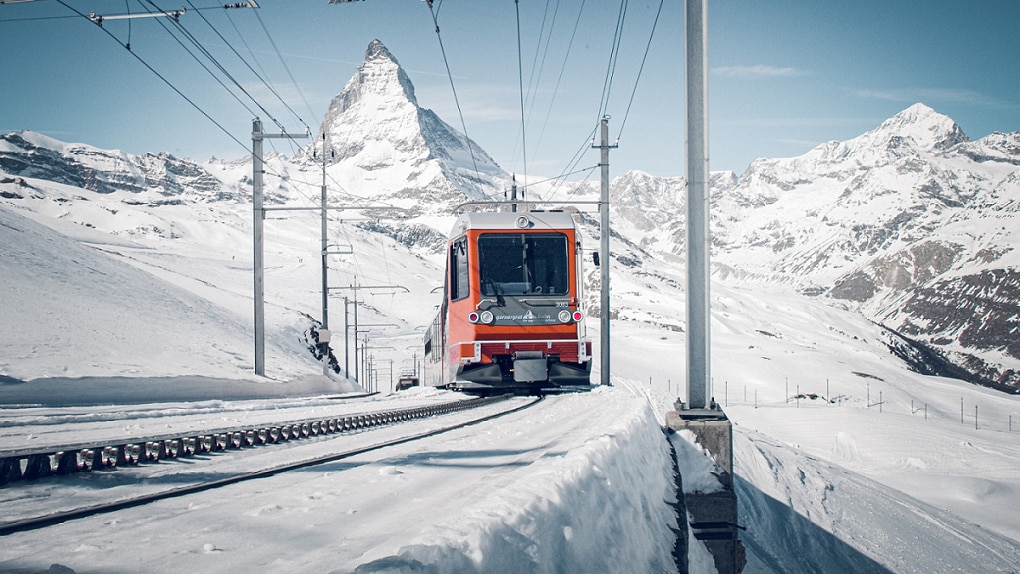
{"points": [[520, 76], [160, 76], [614, 54], [559, 78], [250, 68], [285, 67], [641, 68], [434, 11]]}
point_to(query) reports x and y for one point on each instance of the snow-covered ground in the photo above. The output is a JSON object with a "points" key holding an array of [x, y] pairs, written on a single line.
{"points": [[886, 478]]}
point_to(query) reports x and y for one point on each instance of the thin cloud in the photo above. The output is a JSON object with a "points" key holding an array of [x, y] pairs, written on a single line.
{"points": [[931, 95], [759, 71]]}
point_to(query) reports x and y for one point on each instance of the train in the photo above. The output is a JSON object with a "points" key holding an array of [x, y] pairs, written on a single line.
{"points": [[511, 318]]}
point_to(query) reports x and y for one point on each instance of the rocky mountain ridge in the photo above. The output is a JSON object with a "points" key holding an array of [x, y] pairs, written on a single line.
{"points": [[912, 223]]}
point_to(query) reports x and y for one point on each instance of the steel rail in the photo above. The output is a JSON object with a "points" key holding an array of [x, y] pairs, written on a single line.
{"points": [[86, 512]]}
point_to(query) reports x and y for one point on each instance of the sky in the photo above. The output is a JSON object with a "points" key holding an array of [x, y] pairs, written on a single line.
{"points": [[784, 76]]}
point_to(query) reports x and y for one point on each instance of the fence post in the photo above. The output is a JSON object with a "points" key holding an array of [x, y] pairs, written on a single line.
{"points": [[975, 418]]}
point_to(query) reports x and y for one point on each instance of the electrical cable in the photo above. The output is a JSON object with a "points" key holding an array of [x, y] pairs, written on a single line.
{"points": [[613, 58], [285, 67], [252, 70], [520, 79], [160, 76], [641, 68], [449, 74], [194, 41]]}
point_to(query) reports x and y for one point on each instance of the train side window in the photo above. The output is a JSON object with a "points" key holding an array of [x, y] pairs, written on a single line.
{"points": [[458, 269]]}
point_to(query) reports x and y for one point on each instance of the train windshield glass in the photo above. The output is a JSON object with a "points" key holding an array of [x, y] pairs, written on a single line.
{"points": [[523, 264]]}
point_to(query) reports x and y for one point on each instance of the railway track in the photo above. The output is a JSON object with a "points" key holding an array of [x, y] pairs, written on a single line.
{"points": [[26, 467]]}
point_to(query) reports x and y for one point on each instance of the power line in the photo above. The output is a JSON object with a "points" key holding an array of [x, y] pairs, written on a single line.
{"points": [[640, 69], [614, 55], [520, 79], [161, 77], [245, 62], [434, 11], [285, 67]]}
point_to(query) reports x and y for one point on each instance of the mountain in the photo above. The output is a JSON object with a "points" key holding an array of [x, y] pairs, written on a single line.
{"points": [[379, 138], [912, 224]]}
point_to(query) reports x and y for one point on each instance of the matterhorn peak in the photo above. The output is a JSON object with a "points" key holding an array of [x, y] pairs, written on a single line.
{"points": [[377, 103], [376, 126]]}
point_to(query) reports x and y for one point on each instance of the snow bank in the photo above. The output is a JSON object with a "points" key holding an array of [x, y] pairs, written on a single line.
{"points": [[604, 506]]}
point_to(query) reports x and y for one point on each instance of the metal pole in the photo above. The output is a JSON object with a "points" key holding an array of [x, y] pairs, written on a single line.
{"points": [[347, 345], [258, 169], [325, 260], [604, 248], [698, 340], [259, 216], [356, 373]]}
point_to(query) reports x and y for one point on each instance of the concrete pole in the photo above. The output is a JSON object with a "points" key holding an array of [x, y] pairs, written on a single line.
{"points": [[347, 345], [259, 216], [325, 262], [698, 272], [604, 248]]}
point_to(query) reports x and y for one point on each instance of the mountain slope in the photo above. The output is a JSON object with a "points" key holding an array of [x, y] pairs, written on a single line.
{"points": [[389, 147], [911, 223]]}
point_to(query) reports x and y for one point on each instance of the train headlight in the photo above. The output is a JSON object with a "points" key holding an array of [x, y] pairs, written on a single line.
{"points": [[577, 316], [564, 316], [487, 317], [473, 317]]}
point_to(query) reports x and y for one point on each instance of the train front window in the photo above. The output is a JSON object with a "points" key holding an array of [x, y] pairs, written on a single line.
{"points": [[524, 263]]}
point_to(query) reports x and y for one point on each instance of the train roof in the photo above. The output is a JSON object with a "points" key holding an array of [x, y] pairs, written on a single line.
{"points": [[510, 220]]}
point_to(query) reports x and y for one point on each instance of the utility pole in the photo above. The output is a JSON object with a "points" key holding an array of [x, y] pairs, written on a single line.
{"points": [[355, 287], [698, 272], [325, 261], [604, 231], [513, 194], [259, 216]]}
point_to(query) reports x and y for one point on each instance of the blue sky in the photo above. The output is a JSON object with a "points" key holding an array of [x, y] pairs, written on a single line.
{"points": [[784, 75]]}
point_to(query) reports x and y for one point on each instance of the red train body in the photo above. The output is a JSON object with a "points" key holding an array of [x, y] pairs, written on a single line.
{"points": [[511, 316]]}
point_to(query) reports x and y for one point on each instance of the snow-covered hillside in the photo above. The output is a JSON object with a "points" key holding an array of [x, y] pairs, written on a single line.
{"points": [[140, 268], [911, 224]]}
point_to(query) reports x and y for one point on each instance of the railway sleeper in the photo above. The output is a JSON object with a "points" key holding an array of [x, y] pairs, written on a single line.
{"points": [[39, 465]]}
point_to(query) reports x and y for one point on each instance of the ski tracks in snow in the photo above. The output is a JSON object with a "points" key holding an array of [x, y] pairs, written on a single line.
{"points": [[806, 515]]}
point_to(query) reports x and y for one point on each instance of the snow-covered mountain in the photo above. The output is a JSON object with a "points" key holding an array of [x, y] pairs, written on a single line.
{"points": [[384, 142], [140, 268], [911, 224]]}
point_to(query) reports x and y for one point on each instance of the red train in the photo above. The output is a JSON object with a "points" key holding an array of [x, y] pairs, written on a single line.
{"points": [[511, 316]]}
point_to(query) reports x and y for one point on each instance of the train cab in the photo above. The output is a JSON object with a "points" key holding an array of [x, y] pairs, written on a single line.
{"points": [[511, 317]]}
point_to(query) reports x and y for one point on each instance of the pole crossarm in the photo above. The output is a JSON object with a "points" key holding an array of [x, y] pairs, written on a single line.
{"points": [[541, 202], [337, 208], [99, 19], [356, 287]]}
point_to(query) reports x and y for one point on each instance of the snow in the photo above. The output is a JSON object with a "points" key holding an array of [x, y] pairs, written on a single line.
{"points": [[579, 483], [126, 316]]}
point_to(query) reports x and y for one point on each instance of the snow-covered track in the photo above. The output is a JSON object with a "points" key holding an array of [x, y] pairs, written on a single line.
{"points": [[32, 464], [36, 522]]}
